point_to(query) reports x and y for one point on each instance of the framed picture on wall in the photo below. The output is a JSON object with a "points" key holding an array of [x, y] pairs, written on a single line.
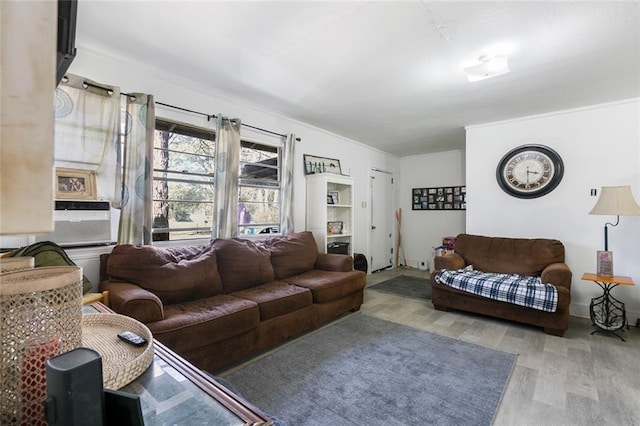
{"points": [[439, 198], [313, 165], [75, 184]]}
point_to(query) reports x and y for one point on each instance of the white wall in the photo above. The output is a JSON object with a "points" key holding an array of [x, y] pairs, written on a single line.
{"points": [[423, 230], [355, 158], [600, 146]]}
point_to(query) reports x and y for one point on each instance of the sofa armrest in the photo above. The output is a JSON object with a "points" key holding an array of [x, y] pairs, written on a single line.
{"points": [[104, 259], [557, 274], [449, 261], [131, 300], [334, 262]]}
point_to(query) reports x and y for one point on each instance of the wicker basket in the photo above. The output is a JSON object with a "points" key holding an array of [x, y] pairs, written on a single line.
{"points": [[121, 362], [12, 264], [41, 311]]}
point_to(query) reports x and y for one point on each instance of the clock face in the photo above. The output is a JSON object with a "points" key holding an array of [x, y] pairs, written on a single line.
{"points": [[530, 171]]}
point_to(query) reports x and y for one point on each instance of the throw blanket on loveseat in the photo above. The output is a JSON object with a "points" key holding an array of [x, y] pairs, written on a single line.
{"points": [[512, 288]]}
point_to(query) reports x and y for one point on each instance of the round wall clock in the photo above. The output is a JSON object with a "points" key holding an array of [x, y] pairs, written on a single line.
{"points": [[530, 171]]}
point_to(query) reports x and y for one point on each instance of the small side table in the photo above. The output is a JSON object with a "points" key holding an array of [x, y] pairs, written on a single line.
{"points": [[89, 298], [608, 313]]}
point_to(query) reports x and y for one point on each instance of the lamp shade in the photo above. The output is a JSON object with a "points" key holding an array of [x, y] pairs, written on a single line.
{"points": [[616, 201]]}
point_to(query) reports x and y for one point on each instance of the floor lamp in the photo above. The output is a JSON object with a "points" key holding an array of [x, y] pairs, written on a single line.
{"points": [[614, 201]]}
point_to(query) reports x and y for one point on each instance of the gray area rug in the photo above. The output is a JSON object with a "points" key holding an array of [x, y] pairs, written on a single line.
{"points": [[367, 371], [405, 285]]}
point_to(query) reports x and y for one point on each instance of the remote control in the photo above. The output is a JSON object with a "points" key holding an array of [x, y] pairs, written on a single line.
{"points": [[131, 338]]}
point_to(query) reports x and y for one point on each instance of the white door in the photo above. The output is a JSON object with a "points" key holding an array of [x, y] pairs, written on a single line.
{"points": [[382, 220]]}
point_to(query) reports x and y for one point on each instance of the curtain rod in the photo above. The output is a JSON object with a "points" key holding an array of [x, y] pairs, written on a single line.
{"points": [[209, 116]]}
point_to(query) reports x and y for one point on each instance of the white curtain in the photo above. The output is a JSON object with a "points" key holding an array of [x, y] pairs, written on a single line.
{"points": [[87, 125], [225, 221], [286, 186], [137, 171]]}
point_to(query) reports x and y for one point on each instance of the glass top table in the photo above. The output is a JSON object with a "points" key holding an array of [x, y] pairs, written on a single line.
{"points": [[174, 392]]}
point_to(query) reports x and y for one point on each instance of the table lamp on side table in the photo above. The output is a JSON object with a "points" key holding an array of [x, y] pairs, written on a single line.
{"points": [[618, 201]]}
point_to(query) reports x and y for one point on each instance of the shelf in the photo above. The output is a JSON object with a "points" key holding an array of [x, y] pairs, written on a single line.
{"points": [[319, 212]]}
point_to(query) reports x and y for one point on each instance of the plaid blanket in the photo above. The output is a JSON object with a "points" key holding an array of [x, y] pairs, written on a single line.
{"points": [[512, 288]]}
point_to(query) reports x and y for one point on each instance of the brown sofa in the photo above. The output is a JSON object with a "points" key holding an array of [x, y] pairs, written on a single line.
{"points": [[531, 257], [218, 303]]}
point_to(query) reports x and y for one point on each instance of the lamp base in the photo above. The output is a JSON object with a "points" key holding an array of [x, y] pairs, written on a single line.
{"points": [[605, 263]]}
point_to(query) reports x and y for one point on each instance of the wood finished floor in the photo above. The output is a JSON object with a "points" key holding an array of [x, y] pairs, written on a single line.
{"points": [[579, 379]]}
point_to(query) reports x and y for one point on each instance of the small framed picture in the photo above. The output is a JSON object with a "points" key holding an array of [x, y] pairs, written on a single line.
{"points": [[605, 263], [75, 184], [334, 228], [334, 197]]}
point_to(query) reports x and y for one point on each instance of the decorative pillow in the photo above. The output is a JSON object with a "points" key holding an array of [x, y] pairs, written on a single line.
{"points": [[242, 264], [292, 254], [175, 275]]}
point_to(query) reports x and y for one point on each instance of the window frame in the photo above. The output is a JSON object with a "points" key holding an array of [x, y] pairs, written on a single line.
{"points": [[183, 176], [198, 131], [274, 227]]}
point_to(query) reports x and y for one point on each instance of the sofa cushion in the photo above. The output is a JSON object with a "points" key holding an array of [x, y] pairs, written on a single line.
{"points": [[175, 275], [292, 254], [242, 264], [524, 256], [199, 323], [277, 298], [327, 286]]}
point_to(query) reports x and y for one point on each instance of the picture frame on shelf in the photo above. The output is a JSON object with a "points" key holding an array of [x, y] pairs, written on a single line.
{"points": [[76, 184], [335, 197], [334, 228], [315, 165]]}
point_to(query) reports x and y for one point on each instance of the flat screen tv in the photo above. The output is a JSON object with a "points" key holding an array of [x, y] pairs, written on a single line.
{"points": [[67, 13]]}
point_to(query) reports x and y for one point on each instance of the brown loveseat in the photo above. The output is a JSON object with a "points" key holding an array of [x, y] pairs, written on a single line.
{"points": [[531, 257], [218, 303]]}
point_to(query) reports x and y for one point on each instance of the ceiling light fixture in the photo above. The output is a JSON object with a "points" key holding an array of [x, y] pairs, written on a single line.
{"points": [[488, 66]]}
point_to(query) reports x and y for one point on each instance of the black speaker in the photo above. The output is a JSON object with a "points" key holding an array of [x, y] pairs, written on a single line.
{"points": [[360, 262], [122, 409], [74, 389]]}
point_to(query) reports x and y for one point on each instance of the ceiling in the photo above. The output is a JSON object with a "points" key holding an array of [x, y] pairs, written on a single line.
{"points": [[386, 74]]}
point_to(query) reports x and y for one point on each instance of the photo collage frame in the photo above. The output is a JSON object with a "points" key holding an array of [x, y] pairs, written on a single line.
{"points": [[439, 198]]}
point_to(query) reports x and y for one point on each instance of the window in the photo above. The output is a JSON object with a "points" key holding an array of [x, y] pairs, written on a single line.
{"points": [[184, 184], [183, 181], [259, 188]]}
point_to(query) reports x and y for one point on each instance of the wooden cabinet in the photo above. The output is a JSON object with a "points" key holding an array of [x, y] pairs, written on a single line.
{"points": [[330, 212]]}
